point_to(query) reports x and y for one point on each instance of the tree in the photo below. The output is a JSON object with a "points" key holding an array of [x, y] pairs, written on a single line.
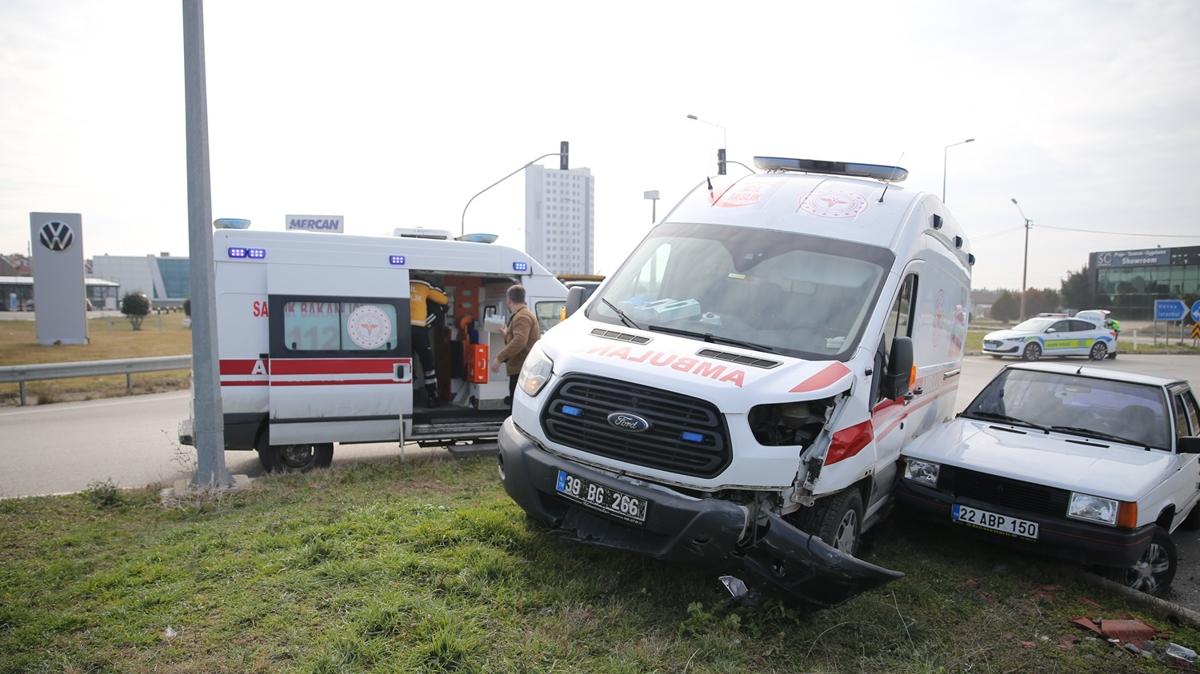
{"points": [[1040, 300], [1005, 308], [136, 307], [1076, 291]]}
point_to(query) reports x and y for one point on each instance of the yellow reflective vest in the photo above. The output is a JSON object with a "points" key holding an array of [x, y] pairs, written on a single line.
{"points": [[418, 293]]}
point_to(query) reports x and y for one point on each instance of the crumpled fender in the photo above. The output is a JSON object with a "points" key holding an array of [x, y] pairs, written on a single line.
{"points": [[809, 569]]}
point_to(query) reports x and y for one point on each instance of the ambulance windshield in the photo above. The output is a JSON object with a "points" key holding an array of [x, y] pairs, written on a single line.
{"points": [[795, 294]]}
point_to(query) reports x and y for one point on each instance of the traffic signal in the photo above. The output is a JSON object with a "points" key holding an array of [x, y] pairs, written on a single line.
{"points": [[721, 162], [563, 148]]}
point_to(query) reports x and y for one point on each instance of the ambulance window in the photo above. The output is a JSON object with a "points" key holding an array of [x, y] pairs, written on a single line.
{"points": [[899, 322], [549, 314], [311, 326], [650, 278], [368, 326]]}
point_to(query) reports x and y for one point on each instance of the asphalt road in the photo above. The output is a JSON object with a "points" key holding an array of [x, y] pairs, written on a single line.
{"points": [[63, 447]]}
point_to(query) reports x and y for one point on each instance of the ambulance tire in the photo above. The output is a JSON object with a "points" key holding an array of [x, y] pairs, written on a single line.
{"points": [[837, 520], [295, 458]]}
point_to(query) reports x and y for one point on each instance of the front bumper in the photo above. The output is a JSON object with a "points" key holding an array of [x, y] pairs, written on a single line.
{"points": [[706, 531], [1058, 537], [1001, 349]]}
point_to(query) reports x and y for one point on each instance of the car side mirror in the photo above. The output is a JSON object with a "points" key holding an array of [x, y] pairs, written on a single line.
{"points": [[575, 299], [1188, 445], [1049, 330], [899, 368]]}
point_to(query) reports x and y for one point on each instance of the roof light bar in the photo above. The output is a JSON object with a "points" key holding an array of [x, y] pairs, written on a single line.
{"points": [[891, 174], [397, 260], [521, 266]]}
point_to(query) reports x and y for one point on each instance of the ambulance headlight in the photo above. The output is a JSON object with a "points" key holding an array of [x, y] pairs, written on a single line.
{"points": [[535, 373]]}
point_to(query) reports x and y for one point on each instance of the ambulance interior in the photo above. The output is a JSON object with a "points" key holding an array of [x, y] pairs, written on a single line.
{"points": [[465, 334]]}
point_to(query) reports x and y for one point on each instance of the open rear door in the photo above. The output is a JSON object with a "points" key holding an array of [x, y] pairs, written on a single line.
{"points": [[341, 357]]}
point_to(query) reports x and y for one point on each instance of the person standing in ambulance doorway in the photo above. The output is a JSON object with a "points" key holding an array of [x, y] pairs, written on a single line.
{"points": [[420, 292], [520, 334]]}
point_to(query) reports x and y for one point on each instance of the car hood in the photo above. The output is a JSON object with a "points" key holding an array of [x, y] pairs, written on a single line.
{"points": [[1006, 334], [1116, 471]]}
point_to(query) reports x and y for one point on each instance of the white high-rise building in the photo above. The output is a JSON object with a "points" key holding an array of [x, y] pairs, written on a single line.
{"points": [[560, 229]]}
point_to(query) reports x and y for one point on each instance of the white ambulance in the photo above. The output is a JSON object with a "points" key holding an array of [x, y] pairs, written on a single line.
{"points": [[739, 391], [314, 340]]}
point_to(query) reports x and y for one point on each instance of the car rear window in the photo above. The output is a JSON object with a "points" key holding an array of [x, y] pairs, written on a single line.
{"points": [[1124, 409]]}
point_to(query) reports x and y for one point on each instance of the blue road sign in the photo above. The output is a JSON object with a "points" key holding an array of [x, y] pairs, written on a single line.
{"points": [[1196, 311], [1169, 310]]}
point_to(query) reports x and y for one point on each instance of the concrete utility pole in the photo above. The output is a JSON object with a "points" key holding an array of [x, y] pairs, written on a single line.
{"points": [[208, 423], [1025, 264]]}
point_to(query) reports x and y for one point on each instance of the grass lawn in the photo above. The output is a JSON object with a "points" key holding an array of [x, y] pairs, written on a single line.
{"points": [[427, 566], [161, 335]]}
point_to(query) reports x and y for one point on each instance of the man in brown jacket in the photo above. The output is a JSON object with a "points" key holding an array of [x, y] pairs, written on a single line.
{"points": [[520, 334]]}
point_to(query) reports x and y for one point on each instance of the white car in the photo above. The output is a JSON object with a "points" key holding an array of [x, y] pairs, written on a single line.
{"points": [[1091, 465], [1050, 336]]}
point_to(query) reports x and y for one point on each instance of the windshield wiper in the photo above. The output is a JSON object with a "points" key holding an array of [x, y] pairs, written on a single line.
{"points": [[629, 322], [711, 338], [1099, 435], [1005, 418]]}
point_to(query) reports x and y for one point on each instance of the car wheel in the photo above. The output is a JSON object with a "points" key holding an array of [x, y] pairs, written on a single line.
{"points": [[295, 458], [838, 522], [1033, 351], [1099, 351], [1154, 572]]}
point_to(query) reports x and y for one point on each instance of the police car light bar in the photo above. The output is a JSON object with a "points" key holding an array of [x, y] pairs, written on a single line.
{"points": [[891, 174]]}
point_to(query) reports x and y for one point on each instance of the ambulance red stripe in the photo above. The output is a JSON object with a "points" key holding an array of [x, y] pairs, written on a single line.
{"points": [[281, 366], [827, 376]]}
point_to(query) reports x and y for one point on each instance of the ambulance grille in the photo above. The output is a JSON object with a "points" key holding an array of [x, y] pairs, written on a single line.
{"points": [[686, 435]]}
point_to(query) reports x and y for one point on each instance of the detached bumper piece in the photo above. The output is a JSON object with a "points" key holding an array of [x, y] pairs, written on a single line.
{"points": [[707, 532]]}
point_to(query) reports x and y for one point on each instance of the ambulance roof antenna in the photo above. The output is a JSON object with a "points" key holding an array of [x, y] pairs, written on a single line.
{"points": [[887, 184]]}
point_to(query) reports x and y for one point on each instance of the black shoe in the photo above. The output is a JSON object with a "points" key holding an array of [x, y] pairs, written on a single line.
{"points": [[431, 399]]}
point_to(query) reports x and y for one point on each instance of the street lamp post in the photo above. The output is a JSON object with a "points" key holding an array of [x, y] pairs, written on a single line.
{"points": [[1025, 264], [652, 195], [945, 152], [724, 142], [463, 222]]}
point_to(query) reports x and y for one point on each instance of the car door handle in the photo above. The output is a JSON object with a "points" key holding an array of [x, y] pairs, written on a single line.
{"points": [[401, 372], [951, 374]]}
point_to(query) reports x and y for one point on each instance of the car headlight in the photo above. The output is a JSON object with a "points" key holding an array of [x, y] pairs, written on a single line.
{"points": [[535, 373], [1093, 508], [921, 471]]}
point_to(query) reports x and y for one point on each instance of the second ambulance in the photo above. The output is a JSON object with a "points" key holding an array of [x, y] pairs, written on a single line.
{"points": [[738, 393]]}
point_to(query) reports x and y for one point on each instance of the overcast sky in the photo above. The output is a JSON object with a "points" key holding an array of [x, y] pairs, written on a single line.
{"points": [[394, 114]]}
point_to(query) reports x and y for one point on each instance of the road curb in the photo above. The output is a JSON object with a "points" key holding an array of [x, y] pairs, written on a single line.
{"points": [[1160, 607]]}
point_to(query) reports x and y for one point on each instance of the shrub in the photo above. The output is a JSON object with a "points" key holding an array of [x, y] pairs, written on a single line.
{"points": [[135, 306]]}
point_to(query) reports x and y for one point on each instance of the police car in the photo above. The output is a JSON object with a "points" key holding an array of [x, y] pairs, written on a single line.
{"points": [[1052, 336]]}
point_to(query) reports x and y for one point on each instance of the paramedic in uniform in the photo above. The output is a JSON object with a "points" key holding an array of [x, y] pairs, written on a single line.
{"points": [[418, 293], [519, 336]]}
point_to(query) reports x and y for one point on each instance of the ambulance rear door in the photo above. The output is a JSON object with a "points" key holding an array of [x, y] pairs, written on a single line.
{"points": [[340, 354]]}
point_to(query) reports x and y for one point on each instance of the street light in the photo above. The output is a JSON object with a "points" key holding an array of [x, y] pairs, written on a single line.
{"points": [[724, 142], [945, 151], [1025, 264], [652, 195], [562, 165]]}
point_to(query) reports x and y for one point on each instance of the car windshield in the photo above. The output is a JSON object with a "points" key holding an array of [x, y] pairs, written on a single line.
{"points": [[1117, 409], [778, 291], [1035, 324]]}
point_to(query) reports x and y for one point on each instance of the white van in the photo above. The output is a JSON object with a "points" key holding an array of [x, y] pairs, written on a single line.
{"points": [[314, 340], [739, 391]]}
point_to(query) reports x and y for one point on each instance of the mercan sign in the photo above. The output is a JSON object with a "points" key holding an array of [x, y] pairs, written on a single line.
{"points": [[315, 223]]}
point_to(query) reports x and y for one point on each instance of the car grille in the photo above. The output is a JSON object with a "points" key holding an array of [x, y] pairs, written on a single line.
{"points": [[992, 343], [686, 435], [1001, 491]]}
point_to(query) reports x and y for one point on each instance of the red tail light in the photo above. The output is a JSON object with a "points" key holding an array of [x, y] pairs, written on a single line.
{"points": [[849, 441]]}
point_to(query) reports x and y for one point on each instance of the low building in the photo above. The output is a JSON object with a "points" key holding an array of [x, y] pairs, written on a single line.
{"points": [[1128, 281], [17, 293], [164, 279]]}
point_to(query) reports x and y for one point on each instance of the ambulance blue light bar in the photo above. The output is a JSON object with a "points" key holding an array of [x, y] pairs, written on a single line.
{"points": [[891, 174], [520, 266], [397, 260], [239, 253]]}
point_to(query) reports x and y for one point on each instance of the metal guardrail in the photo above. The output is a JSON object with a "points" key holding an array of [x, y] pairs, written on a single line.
{"points": [[90, 368]]}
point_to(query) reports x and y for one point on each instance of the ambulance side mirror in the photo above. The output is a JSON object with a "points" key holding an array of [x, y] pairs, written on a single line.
{"points": [[575, 299], [899, 368]]}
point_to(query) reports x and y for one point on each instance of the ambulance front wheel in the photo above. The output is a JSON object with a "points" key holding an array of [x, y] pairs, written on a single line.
{"points": [[295, 458]]}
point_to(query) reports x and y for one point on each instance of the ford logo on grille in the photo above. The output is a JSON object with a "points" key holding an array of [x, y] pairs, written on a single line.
{"points": [[627, 421]]}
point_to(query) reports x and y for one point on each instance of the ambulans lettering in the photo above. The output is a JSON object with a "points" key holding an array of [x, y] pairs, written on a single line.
{"points": [[696, 366], [259, 309]]}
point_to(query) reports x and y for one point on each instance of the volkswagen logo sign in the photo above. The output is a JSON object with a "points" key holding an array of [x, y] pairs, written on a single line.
{"points": [[57, 236], [627, 421]]}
